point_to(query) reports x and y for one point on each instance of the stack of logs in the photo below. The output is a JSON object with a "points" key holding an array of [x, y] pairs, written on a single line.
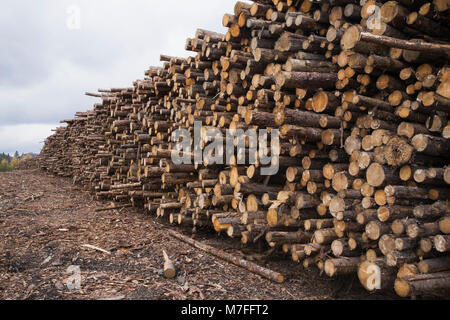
{"points": [[28, 164], [360, 93]]}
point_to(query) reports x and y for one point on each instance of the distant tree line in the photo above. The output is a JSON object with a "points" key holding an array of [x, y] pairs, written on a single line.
{"points": [[8, 163]]}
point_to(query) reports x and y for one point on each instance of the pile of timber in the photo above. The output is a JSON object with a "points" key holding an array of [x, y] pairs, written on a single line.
{"points": [[28, 164], [360, 92]]}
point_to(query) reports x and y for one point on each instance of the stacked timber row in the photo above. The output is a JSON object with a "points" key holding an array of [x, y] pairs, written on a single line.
{"points": [[28, 164], [360, 93]]}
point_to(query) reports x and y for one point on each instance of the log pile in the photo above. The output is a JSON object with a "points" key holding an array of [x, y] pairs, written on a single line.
{"points": [[28, 164], [360, 94]]}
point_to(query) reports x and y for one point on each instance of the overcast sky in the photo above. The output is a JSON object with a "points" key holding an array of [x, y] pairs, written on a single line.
{"points": [[47, 62]]}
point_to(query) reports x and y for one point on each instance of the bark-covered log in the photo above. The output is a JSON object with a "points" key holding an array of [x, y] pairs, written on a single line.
{"points": [[266, 273], [422, 284]]}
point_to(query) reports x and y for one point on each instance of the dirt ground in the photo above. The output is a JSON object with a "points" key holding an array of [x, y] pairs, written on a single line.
{"points": [[46, 223]]}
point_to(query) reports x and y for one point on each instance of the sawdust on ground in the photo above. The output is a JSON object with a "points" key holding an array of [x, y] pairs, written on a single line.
{"points": [[46, 223]]}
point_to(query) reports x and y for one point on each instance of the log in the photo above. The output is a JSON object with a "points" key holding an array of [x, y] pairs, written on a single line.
{"points": [[376, 275], [434, 265], [341, 266], [422, 284], [431, 145], [353, 35], [307, 80], [442, 243], [169, 268], [250, 266]]}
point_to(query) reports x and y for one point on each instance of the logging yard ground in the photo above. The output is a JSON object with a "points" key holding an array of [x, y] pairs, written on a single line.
{"points": [[45, 223]]}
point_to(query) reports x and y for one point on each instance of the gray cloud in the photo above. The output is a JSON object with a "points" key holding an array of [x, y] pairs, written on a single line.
{"points": [[45, 68], [24, 138]]}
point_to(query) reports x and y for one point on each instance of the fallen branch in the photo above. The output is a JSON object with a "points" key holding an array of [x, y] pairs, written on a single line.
{"points": [[34, 197], [250, 266], [113, 207], [96, 248]]}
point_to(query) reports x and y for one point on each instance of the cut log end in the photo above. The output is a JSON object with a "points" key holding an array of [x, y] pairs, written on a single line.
{"points": [[350, 38], [169, 268], [402, 288]]}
